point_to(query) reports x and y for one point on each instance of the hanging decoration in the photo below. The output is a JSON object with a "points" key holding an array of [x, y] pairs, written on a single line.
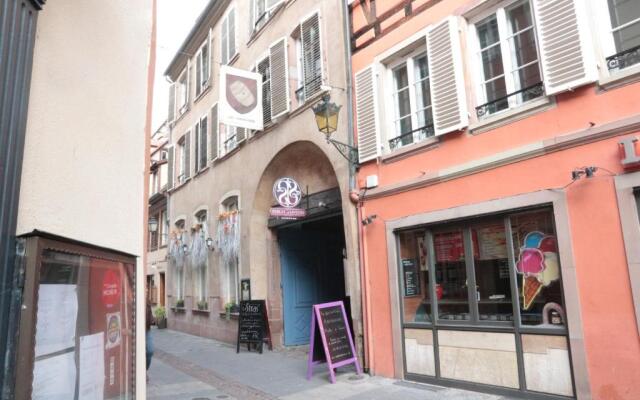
{"points": [[176, 251], [228, 235], [199, 249]]}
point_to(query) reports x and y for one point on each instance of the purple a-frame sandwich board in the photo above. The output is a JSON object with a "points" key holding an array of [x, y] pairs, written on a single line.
{"points": [[337, 343]]}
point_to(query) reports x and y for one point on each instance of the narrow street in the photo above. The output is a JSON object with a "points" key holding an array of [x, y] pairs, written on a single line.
{"points": [[187, 367]]}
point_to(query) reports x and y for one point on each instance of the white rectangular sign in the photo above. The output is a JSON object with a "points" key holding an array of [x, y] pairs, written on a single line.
{"points": [[240, 102], [91, 381]]}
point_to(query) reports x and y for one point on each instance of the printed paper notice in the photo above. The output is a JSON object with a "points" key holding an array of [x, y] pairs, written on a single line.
{"points": [[54, 378], [91, 385], [57, 314]]}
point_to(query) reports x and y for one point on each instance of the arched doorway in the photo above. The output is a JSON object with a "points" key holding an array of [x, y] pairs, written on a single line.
{"points": [[305, 257]]}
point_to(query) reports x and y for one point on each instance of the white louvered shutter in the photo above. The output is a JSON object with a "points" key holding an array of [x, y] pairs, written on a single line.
{"points": [[224, 42], [172, 103], [188, 96], [366, 114], [214, 132], [241, 134], [311, 55], [199, 73], [252, 16], [187, 155], [170, 167], [196, 147], [232, 32], [447, 77], [279, 78], [565, 44], [209, 60]]}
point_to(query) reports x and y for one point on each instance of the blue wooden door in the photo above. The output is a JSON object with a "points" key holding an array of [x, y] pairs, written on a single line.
{"points": [[312, 273]]}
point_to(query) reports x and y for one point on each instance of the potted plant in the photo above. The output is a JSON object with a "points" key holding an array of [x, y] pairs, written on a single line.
{"points": [[180, 303], [203, 305], [160, 313], [228, 308]]}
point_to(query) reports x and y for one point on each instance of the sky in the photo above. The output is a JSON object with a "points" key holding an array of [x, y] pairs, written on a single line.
{"points": [[175, 19]]}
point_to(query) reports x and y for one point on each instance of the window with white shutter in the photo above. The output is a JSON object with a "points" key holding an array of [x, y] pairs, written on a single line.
{"points": [[264, 69], [228, 37], [187, 155], [366, 114], [229, 138], [261, 11], [620, 33], [506, 55], [181, 93], [203, 68], [214, 132], [279, 78], [311, 55], [447, 77], [565, 44], [201, 143]]}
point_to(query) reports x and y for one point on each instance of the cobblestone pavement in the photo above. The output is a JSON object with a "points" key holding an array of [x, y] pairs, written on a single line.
{"points": [[187, 367]]}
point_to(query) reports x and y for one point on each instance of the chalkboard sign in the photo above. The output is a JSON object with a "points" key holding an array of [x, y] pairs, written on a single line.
{"points": [[253, 324], [329, 321], [411, 277]]}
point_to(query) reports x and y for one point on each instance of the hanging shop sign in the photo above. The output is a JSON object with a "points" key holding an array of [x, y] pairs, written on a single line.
{"points": [[629, 154], [288, 194], [241, 101], [331, 339]]}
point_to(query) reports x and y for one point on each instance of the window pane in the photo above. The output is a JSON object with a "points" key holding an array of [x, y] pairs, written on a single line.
{"points": [[519, 17], [414, 272], [623, 11], [488, 31], [400, 77], [421, 68], [491, 265], [538, 267], [403, 103], [492, 63], [403, 126], [451, 276], [527, 77], [523, 47], [423, 94], [628, 37], [495, 90]]}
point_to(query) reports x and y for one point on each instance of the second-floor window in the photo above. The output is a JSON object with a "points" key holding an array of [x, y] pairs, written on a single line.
{"points": [[411, 97], [507, 56], [622, 41], [264, 69], [309, 52], [228, 37], [203, 68], [201, 144]]}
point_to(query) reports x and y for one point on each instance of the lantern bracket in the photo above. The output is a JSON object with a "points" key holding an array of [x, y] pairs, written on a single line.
{"points": [[350, 153]]}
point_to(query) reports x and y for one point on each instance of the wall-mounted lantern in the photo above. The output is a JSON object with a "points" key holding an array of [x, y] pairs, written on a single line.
{"points": [[326, 113]]}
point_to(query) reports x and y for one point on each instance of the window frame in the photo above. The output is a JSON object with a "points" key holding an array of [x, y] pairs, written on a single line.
{"points": [[224, 129], [474, 56], [182, 163], [232, 294], [390, 105]]}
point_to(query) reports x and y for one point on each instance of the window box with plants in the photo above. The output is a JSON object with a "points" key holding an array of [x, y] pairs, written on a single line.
{"points": [[179, 305], [231, 310], [202, 306], [160, 314]]}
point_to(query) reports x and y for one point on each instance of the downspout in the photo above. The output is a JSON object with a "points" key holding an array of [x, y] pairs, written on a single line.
{"points": [[359, 201]]}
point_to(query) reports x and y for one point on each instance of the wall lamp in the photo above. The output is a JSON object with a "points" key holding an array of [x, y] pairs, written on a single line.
{"points": [[327, 113]]}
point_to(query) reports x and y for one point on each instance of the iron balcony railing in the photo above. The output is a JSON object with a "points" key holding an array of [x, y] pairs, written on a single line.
{"points": [[624, 59], [491, 107], [413, 136]]}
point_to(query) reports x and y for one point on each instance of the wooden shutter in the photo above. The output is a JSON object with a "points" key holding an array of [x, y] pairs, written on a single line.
{"points": [[170, 167], [241, 134], [447, 77], [366, 114], [172, 103], [279, 78], [214, 132], [187, 155], [224, 42], [565, 44], [203, 143], [311, 55]]}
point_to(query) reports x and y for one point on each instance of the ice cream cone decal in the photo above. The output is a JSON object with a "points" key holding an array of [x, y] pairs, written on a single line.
{"points": [[531, 287]]}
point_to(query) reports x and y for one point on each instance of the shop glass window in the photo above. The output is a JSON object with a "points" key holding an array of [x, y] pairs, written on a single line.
{"points": [[84, 328], [508, 57], [624, 34], [414, 272], [451, 275], [413, 118], [491, 269], [537, 264]]}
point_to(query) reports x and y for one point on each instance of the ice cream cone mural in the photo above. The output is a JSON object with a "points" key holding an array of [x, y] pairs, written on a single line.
{"points": [[538, 264]]}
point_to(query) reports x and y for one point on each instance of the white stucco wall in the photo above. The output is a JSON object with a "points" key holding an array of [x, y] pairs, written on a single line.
{"points": [[84, 156]]}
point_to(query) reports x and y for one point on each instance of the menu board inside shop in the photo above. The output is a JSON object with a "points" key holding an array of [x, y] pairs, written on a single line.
{"points": [[411, 277], [329, 321], [449, 246]]}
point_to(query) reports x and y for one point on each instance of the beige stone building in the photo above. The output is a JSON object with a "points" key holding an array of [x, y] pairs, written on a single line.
{"points": [[221, 177]]}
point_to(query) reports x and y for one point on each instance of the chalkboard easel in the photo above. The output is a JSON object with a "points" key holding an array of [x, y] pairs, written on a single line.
{"points": [[336, 347], [253, 325]]}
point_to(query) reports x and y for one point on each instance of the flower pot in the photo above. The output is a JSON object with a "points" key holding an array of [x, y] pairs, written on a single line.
{"points": [[162, 323]]}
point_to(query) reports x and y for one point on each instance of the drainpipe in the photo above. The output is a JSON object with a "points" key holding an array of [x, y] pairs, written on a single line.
{"points": [[357, 199]]}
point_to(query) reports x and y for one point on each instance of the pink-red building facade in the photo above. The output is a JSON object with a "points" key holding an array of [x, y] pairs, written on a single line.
{"points": [[498, 182]]}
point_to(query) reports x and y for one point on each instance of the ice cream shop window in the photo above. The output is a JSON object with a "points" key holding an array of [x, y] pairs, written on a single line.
{"points": [[499, 270]]}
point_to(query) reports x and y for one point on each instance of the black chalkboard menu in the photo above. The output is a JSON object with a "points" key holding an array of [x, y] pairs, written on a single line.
{"points": [[253, 324], [411, 277], [336, 333]]}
